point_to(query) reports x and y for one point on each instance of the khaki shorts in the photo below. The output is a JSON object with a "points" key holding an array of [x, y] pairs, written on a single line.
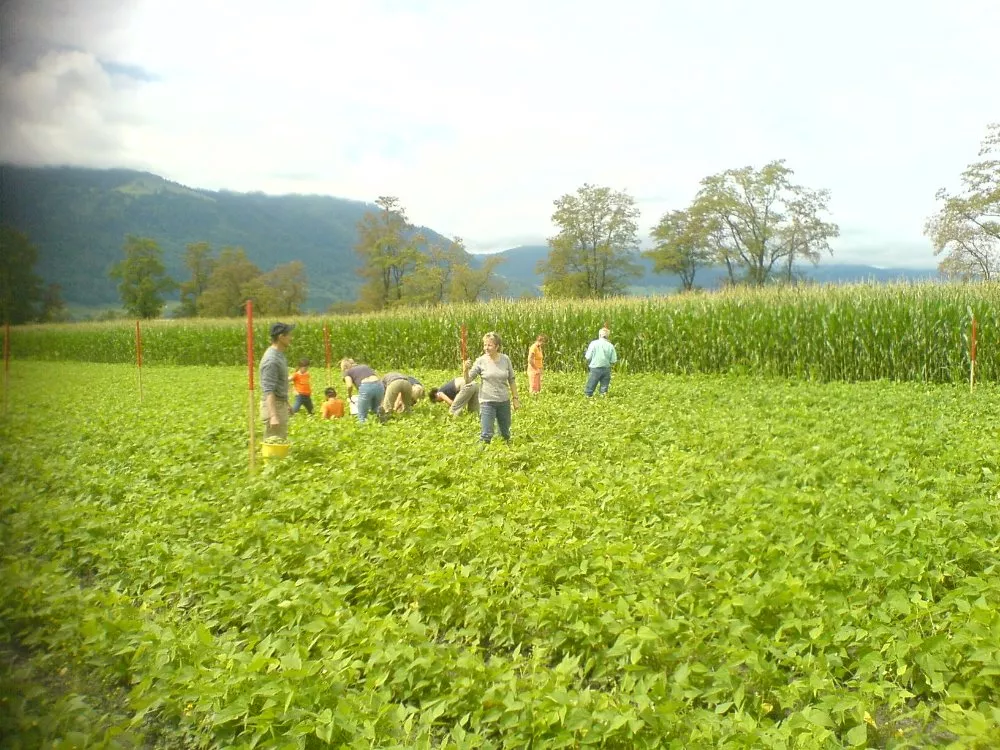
{"points": [[279, 430]]}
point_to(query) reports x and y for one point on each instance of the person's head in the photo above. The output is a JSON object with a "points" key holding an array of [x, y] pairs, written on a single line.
{"points": [[542, 339], [330, 392], [346, 364], [491, 343], [603, 333], [418, 392], [432, 395], [303, 364], [281, 334]]}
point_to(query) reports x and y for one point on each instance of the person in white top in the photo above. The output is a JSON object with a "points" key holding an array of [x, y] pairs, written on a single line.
{"points": [[498, 391]]}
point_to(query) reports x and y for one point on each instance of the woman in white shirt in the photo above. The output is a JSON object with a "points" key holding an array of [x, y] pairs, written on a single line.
{"points": [[498, 391]]}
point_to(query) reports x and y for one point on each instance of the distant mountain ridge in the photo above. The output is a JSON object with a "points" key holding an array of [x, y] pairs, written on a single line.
{"points": [[78, 219]]}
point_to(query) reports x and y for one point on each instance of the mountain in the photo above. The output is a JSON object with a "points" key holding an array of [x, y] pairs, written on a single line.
{"points": [[519, 270], [78, 219]]}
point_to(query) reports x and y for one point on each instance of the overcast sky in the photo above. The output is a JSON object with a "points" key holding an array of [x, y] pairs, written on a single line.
{"points": [[479, 114]]}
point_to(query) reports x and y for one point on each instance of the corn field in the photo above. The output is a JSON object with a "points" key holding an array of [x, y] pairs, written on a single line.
{"points": [[917, 332]]}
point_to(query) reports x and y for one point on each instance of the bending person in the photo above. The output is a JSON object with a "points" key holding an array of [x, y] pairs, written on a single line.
{"points": [[401, 392], [459, 393], [369, 387]]}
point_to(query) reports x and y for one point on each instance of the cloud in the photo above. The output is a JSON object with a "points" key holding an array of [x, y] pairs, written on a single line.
{"points": [[479, 115]]}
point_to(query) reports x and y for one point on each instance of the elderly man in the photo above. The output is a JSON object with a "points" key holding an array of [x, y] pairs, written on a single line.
{"points": [[600, 356]]}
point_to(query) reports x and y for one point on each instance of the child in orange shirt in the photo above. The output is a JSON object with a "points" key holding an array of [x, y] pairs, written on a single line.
{"points": [[303, 388], [535, 364], [333, 406]]}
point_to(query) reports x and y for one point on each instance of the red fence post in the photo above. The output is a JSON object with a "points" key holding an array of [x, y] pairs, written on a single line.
{"points": [[250, 396]]}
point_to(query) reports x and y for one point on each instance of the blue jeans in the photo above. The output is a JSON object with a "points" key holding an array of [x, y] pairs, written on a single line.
{"points": [[490, 410], [597, 375], [302, 400], [370, 397]]}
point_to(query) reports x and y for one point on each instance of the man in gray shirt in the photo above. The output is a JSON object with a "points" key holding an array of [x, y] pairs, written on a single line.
{"points": [[274, 406]]}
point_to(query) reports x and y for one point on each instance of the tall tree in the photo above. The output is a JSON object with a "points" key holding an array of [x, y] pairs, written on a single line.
{"points": [[683, 245], [470, 284], [430, 282], [20, 288], [285, 288], [760, 219], [389, 251], [53, 306], [199, 261], [226, 293], [593, 255], [967, 228], [142, 278]]}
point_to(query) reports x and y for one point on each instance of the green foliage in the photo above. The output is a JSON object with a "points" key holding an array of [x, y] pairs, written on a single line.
{"points": [[200, 264], [389, 252], [693, 562], [593, 255], [682, 247], [20, 287], [759, 221], [142, 278], [967, 228], [896, 332]]}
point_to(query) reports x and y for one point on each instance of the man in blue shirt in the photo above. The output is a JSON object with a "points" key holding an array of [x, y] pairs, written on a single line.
{"points": [[600, 356]]}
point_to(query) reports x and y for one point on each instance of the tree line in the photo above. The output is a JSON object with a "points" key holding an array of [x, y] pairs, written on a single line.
{"points": [[757, 223]]}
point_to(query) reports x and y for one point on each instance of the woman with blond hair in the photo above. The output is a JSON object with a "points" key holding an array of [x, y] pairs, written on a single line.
{"points": [[498, 391]]}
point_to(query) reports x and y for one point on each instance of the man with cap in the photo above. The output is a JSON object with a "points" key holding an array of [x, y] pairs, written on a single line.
{"points": [[600, 356], [274, 405]]}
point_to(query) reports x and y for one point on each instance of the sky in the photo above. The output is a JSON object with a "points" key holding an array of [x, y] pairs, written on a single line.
{"points": [[478, 115]]}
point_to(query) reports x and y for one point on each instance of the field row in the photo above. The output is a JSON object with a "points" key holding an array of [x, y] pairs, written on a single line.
{"points": [[851, 333], [693, 562]]}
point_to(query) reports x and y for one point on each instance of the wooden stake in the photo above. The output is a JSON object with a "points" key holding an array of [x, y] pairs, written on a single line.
{"points": [[326, 346], [138, 356], [972, 355], [6, 365], [251, 422]]}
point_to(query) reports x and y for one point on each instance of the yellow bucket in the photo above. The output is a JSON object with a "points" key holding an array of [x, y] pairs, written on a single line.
{"points": [[274, 450]]}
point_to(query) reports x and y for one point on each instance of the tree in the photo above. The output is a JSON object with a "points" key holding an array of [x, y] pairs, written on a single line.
{"points": [[430, 282], [53, 307], [446, 274], [20, 287], [470, 284], [284, 288], [389, 251], [142, 278], [199, 261], [683, 245], [755, 220], [593, 253], [226, 293], [967, 228]]}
